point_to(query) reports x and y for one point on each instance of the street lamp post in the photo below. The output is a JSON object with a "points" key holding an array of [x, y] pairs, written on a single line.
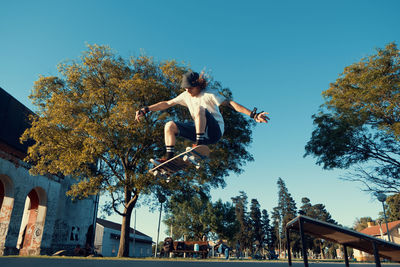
{"points": [[161, 199], [382, 198]]}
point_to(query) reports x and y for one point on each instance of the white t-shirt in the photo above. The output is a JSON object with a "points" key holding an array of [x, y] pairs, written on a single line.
{"points": [[209, 99]]}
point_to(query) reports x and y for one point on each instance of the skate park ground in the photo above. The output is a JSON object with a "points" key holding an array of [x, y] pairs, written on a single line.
{"points": [[14, 261]]}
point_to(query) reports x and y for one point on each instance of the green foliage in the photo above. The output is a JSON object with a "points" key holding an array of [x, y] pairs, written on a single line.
{"points": [[361, 223], [284, 213], [269, 237], [224, 223], [256, 226], [244, 236], [316, 211], [319, 212], [286, 204], [368, 92], [359, 123], [393, 207], [196, 217], [189, 217]]}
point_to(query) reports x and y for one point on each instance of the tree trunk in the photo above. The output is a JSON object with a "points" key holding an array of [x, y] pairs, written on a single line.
{"points": [[123, 250]]}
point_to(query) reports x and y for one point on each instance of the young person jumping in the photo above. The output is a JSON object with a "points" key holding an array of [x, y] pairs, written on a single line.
{"points": [[203, 104]]}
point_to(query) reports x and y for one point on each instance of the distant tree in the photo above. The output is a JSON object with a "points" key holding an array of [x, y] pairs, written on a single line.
{"points": [[319, 212], [224, 222], [393, 204], [359, 123], [276, 227], [322, 214], [361, 223], [85, 127], [306, 207], [256, 227], [267, 229], [285, 212], [307, 210], [244, 234], [191, 217]]}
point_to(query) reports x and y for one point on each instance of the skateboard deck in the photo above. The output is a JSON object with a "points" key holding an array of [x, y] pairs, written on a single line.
{"points": [[181, 161]]}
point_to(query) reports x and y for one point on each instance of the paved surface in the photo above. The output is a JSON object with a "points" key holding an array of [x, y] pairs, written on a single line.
{"points": [[68, 262]]}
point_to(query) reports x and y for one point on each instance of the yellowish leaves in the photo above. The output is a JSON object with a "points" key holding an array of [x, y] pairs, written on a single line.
{"points": [[369, 90]]}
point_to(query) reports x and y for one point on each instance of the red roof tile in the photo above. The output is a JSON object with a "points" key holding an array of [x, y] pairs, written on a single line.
{"points": [[375, 230]]}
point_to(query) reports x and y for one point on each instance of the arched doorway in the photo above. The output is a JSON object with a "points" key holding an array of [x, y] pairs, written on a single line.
{"points": [[6, 207], [1, 193], [31, 231]]}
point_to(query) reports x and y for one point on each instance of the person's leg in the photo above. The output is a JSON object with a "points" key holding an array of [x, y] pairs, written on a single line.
{"points": [[200, 123], [213, 130], [170, 132]]}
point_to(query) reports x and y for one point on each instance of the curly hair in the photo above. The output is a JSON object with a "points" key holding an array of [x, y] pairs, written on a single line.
{"points": [[202, 82]]}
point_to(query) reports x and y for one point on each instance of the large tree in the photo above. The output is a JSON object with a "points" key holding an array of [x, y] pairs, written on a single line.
{"points": [[244, 235], [359, 123], [224, 224], [256, 226], [190, 217], [85, 127], [196, 217], [319, 212], [284, 213], [269, 235]]}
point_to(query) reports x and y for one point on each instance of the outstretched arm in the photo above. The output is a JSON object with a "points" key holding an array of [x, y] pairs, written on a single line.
{"points": [[258, 117], [155, 107]]}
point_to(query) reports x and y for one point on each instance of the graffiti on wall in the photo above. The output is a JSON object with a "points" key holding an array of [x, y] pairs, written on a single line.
{"points": [[60, 234], [74, 233]]}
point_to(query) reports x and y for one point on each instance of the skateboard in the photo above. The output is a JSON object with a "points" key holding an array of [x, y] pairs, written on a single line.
{"points": [[181, 161]]}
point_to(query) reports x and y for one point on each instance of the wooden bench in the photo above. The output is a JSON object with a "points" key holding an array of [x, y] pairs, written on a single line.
{"points": [[187, 247]]}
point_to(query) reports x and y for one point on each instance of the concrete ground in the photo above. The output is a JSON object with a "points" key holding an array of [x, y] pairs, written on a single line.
{"points": [[91, 262]]}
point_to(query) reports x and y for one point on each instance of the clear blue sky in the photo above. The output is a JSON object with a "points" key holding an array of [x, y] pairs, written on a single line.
{"points": [[275, 55]]}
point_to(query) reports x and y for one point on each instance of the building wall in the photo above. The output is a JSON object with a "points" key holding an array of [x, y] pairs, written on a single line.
{"points": [[46, 228], [107, 243], [73, 219], [36, 217], [22, 183], [395, 235], [363, 256], [98, 239]]}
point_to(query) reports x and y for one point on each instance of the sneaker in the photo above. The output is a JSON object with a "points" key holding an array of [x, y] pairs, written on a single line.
{"points": [[158, 161], [196, 145]]}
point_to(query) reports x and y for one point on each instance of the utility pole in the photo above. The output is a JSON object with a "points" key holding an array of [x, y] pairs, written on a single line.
{"points": [[382, 198], [161, 199], [134, 236]]}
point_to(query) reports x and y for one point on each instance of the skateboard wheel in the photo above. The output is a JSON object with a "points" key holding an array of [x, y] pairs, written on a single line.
{"points": [[155, 173], [192, 158], [188, 148], [198, 166], [185, 158], [163, 172]]}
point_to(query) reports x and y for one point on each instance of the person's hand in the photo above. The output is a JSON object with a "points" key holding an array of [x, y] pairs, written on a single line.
{"points": [[261, 117], [139, 114]]}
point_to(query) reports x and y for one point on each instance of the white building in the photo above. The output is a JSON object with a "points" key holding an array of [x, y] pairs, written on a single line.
{"points": [[379, 231], [36, 216], [107, 237]]}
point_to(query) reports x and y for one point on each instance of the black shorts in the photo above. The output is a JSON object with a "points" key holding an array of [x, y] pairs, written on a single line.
{"points": [[212, 134]]}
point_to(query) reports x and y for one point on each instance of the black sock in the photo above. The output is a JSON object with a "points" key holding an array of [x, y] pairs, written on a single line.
{"points": [[200, 138], [170, 151]]}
